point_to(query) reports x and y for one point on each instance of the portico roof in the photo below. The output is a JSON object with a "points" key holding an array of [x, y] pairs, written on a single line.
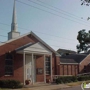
{"points": [[34, 48]]}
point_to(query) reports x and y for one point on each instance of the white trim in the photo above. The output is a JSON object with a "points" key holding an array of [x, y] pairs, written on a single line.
{"points": [[44, 70], [45, 43], [51, 66], [85, 58], [59, 55], [28, 51], [69, 63], [32, 70], [24, 67]]}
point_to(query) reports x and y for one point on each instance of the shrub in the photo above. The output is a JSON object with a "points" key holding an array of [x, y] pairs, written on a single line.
{"points": [[82, 78], [68, 79], [10, 84], [74, 79], [65, 79]]}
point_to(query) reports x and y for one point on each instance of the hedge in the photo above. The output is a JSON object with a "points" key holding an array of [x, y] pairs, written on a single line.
{"points": [[10, 84], [68, 79]]}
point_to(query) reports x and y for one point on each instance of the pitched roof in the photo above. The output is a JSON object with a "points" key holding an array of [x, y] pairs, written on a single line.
{"points": [[61, 51], [63, 60], [73, 58], [40, 40], [25, 46]]}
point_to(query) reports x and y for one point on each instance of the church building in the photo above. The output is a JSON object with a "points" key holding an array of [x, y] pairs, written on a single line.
{"points": [[27, 57]]}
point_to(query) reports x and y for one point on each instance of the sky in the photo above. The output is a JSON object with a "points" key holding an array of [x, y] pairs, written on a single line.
{"points": [[56, 22]]}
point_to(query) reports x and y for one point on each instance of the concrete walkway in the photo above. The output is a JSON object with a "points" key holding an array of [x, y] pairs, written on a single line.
{"points": [[45, 87]]}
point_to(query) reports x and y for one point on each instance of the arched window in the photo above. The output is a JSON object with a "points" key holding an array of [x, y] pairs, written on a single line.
{"points": [[9, 64]]}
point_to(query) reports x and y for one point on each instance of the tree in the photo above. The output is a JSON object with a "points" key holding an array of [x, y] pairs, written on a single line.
{"points": [[84, 41], [83, 37], [85, 2]]}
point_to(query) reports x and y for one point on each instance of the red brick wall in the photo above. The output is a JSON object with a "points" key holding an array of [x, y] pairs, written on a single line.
{"points": [[65, 69], [53, 65], [11, 46], [68, 69], [40, 64], [18, 60], [17, 68], [85, 62], [73, 70], [61, 69], [57, 65], [2, 66]]}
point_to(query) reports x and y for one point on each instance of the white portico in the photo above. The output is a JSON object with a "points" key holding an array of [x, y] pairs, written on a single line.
{"points": [[30, 51]]}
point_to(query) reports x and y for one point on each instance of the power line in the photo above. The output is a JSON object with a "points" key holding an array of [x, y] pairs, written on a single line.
{"points": [[4, 24], [40, 32], [3, 36], [47, 39], [52, 35], [51, 13], [58, 11]]}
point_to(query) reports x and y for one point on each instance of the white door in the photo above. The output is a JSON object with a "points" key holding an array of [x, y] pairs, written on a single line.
{"points": [[28, 67]]}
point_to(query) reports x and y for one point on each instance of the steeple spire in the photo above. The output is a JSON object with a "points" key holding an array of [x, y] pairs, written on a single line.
{"points": [[14, 22], [14, 32]]}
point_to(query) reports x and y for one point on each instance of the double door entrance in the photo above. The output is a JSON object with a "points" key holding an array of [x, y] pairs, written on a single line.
{"points": [[30, 68]]}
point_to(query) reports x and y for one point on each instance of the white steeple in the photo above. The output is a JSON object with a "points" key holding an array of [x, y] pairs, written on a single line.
{"points": [[14, 23], [14, 32]]}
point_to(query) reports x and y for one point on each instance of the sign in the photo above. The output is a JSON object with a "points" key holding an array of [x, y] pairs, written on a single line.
{"points": [[39, 71], [84, 85]]}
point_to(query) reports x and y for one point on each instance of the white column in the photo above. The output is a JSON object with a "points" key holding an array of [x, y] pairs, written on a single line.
{"points": [[44, 70], [51, 66], [32, 70], [24, 68]]}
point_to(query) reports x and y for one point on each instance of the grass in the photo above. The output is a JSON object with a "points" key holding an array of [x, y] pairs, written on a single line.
{"points": [[77, 83], [4, 89]]}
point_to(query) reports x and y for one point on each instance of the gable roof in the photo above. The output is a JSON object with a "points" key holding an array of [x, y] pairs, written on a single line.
{"points": [[67, 61], [62, 51], [73, 58], [40, 40], [35, 48]]}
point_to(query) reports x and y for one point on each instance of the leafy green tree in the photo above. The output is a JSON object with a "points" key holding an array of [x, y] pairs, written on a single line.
{"points": [[84, 41], [85, 2]]}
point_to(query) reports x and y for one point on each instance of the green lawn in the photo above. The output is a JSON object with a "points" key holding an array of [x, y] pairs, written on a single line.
{"points": [[77, 83]]}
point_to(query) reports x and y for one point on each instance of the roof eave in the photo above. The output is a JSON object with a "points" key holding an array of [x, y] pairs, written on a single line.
{"points": [[69, 63]]}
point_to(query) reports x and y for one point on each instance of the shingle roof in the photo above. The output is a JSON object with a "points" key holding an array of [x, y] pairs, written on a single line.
{"points": [[25, 46], [62, 60], [72, 58], [60, 51]]}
